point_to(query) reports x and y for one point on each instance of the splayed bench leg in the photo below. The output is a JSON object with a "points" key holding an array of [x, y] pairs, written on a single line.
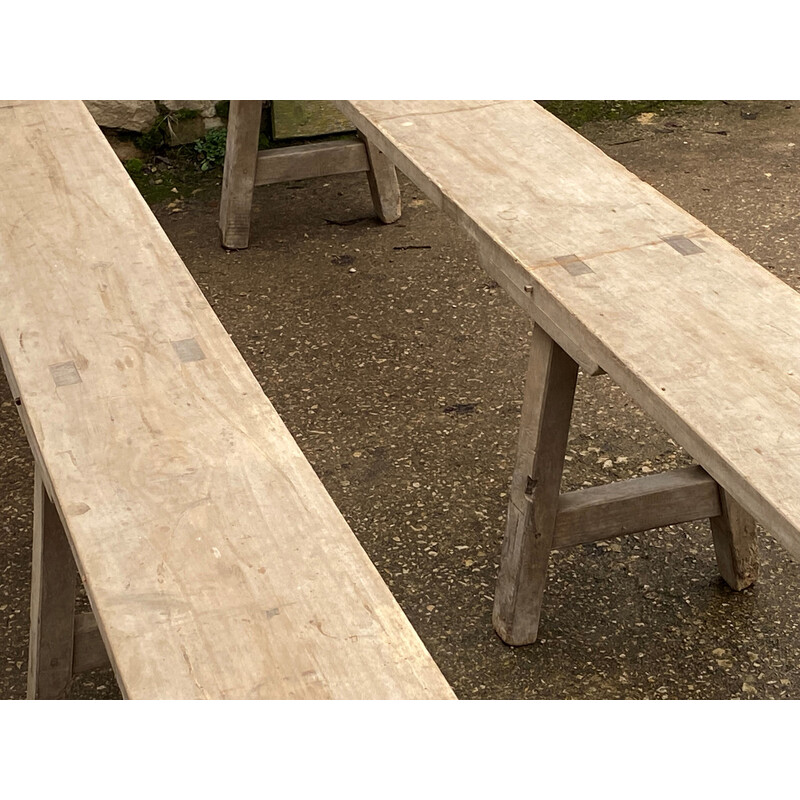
{"points": [[734, 534], [383, 185], [239, 173], [534, 495]]}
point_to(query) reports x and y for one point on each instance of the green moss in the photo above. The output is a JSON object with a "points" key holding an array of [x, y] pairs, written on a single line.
{"points": [[135, 166], [578, 112]]}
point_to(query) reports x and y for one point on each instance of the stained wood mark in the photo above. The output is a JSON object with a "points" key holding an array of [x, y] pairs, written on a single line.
{"points": [[188, 350], [686, 247], [573, 265], [65, 374]]}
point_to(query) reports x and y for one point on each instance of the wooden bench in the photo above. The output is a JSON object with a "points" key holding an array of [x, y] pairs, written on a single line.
{"points": [[618, 279], [247, 167], [216, 564]]}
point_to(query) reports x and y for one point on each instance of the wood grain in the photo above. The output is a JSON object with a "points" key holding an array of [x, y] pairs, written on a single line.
{"points": [[534, 493], [519, 291], [707, 342], [383, 185], [239, 173], [215, 561], [734, 533], [310, 161], [638, 504]]}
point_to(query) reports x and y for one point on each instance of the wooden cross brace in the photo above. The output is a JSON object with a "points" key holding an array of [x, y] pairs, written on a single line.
{"points": [[247, 167], [540, 519]]}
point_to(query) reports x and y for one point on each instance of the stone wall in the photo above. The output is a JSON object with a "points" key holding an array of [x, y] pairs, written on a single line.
{"points": [[140, 115], [190, 120]]}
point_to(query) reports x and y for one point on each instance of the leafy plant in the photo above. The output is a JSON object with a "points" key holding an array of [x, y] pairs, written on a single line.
{"points": [[211, 148]]}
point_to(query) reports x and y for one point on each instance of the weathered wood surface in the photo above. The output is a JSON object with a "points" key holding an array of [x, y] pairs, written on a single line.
{"points": [[698, 334], [638, 504], [534, 494], [310, 161], [734, 533], [215, 561], [239, 173], [54, 582], [383, 184], [525, 299]]}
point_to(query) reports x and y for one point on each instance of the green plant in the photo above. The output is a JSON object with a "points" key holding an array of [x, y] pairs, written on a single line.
{"points": [[156, 138], [211, 148], [135, 166]]}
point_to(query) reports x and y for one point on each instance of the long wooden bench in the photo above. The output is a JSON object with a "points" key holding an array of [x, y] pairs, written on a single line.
{"points": [[216, 564], [618, 279]]}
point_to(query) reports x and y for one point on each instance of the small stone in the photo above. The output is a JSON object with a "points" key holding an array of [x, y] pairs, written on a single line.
{"points": [[608, 463], [352, 269]]}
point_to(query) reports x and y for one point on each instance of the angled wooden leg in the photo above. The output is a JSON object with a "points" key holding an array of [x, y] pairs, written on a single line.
{"points": [[734, 533], [53, 588], [533, 505], [383, 185], [239, 172]]}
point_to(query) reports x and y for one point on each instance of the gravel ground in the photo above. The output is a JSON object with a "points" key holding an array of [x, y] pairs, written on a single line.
{"points": [[398, 366]]}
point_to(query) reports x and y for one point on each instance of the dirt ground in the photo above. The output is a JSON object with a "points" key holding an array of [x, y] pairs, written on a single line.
{"points": [[398, 366]]}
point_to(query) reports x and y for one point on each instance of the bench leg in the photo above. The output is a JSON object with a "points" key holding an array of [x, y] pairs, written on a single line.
{"points": [[53, 588], [383, 185], [239, 173], [533, 504], [734, 533]]}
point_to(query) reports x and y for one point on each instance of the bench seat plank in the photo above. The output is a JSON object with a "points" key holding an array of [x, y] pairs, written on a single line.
{"points": [[215, 561], [699, 335]]}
